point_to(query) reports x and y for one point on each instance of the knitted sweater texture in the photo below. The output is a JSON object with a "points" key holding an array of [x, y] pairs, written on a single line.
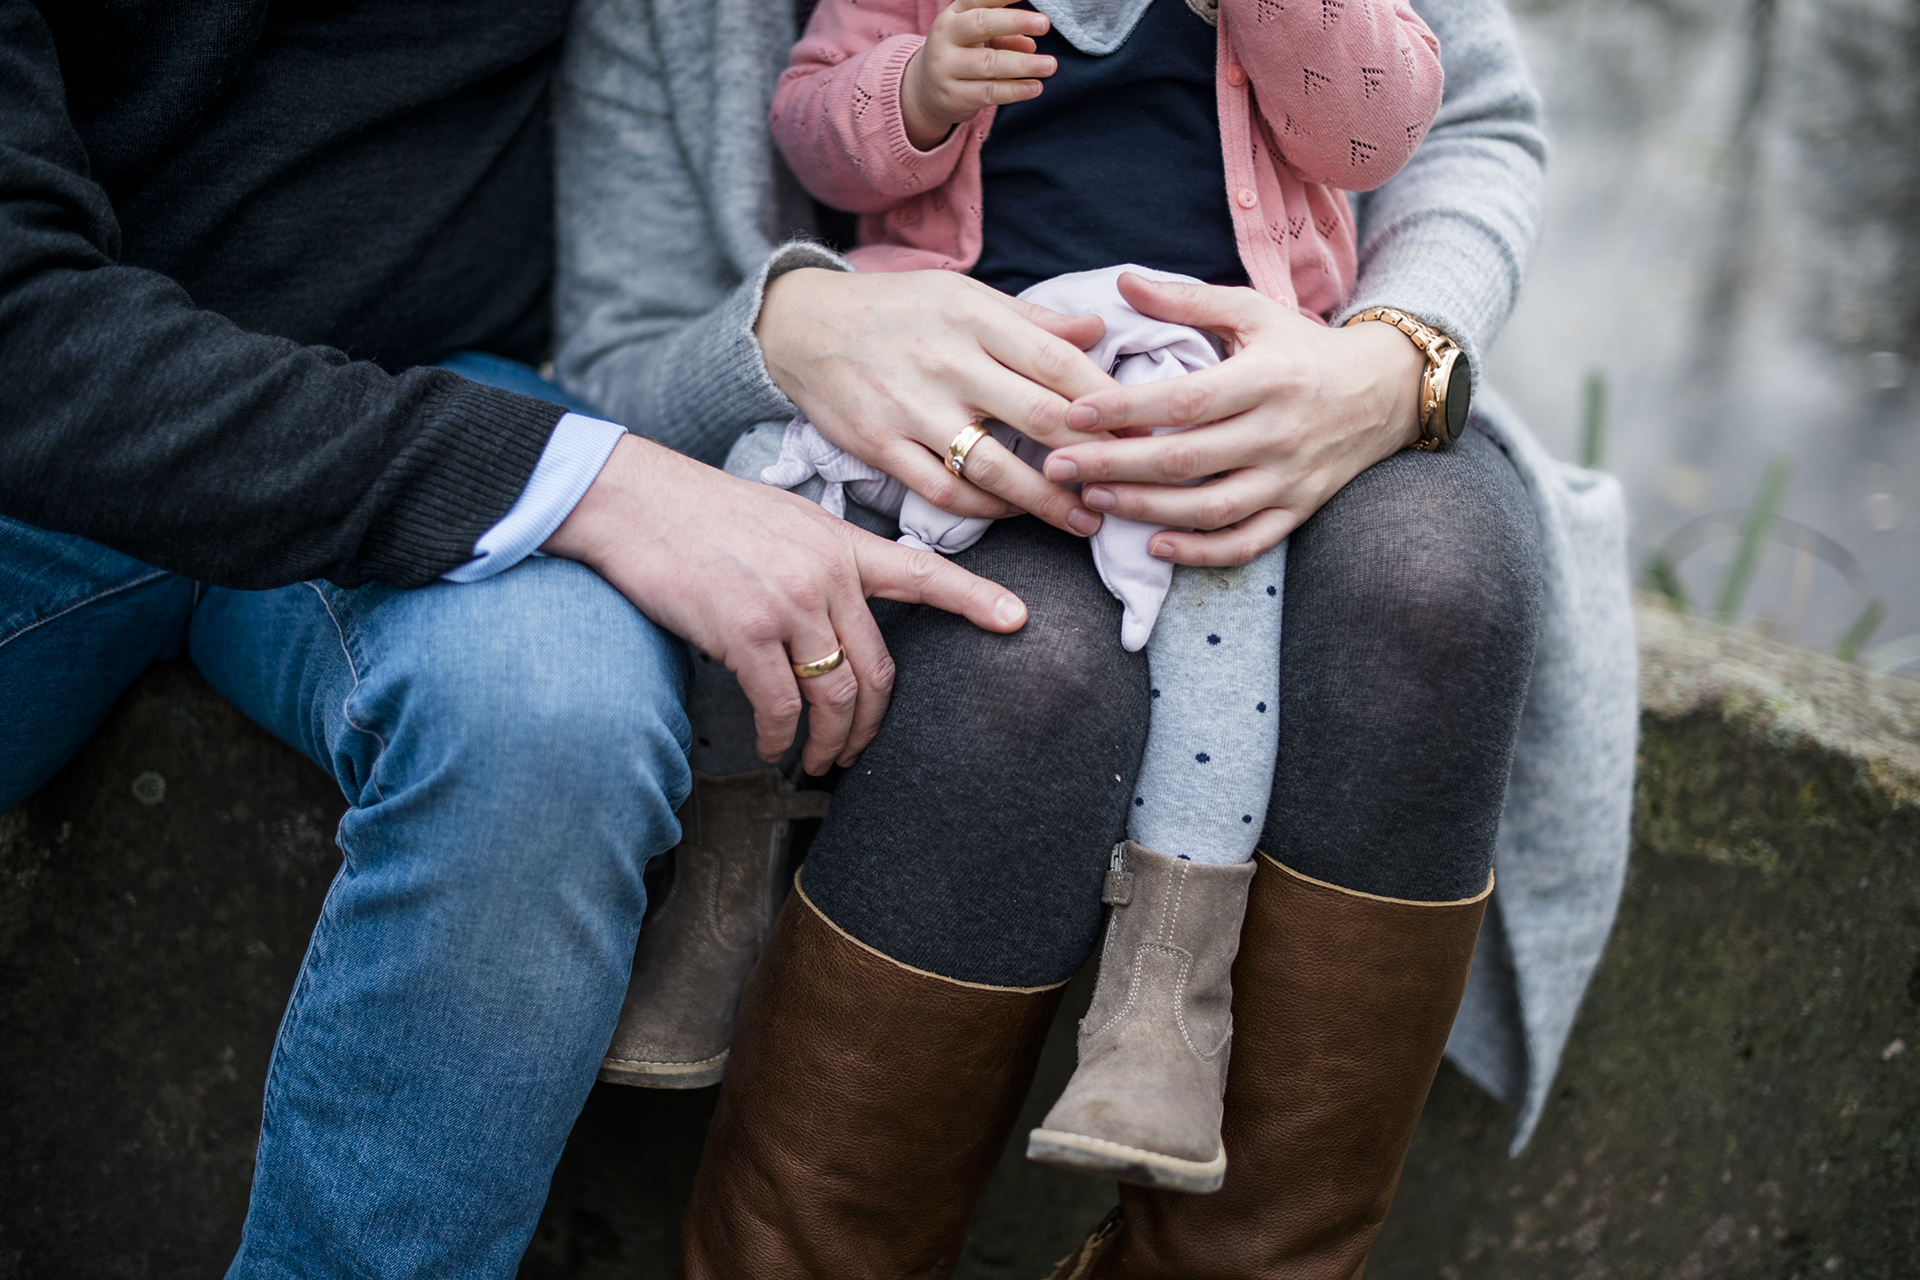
{"points": [[1313, 99], [675, 209], [229, 230]]}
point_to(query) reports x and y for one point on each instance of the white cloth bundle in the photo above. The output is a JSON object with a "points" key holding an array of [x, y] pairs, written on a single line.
{"points": [[1135, 349]]}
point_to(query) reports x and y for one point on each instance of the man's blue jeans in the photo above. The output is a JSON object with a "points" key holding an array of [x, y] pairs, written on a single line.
{"points": [[514, 751]]}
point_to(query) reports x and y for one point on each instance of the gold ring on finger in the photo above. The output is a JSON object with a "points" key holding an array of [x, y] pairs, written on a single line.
{"points": [[970, 435], [807, 670]]}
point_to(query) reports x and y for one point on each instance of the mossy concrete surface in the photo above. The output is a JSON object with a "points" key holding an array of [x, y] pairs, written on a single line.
{"points": [[1741, 1097]]}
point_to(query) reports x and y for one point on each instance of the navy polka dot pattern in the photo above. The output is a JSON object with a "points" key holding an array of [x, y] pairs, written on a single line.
{"points": [[1211, 746]]}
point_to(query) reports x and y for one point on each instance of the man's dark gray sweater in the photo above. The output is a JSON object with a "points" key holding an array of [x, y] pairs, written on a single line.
{"points": [[229, 231]]}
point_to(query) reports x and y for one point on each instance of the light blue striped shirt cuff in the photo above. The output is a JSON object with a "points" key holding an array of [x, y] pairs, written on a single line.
{"points": [[575, 452]]}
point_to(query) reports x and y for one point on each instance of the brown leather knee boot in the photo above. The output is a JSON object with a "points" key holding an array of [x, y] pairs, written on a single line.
{"points": [[1342, 1002], [865, 1106]]}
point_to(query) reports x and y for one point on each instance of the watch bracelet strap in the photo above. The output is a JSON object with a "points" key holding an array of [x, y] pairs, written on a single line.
{"points": [[1433, 344]]}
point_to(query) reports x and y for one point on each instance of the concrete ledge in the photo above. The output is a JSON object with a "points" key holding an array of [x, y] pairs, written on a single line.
{"points": [[1791, 697], [1741, 1098], [155, 900]]}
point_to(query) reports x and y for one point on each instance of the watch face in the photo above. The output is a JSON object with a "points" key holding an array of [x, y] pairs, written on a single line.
{"points": [[1459, 381]]}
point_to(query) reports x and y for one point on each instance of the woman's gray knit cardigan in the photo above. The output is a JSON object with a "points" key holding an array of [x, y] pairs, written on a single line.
{"points": [[675, 209]]}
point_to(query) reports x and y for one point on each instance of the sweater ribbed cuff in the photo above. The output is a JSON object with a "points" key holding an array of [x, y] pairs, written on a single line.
{"points": [[471, 461], [768, 399], [1447, 270], [913, 171]]}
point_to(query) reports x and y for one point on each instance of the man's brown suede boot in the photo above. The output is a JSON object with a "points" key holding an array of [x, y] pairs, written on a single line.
{"points": [[1343, 1003], [863, 1112], [1144, 1104], [700, 940]]}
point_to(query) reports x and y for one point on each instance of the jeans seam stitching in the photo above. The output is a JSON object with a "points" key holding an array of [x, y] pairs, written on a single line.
{"points": [[81, 604], [346, 708], [297, 998]]}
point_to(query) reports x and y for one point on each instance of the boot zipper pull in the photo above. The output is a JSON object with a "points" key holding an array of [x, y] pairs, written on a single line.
{"points": [[1119, 887]]}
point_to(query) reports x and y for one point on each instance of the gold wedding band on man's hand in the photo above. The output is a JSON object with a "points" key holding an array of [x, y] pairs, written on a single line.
{"points": [[807, 670], [970, 435]]}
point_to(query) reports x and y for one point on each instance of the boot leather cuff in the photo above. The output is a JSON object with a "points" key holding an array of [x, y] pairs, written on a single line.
{"points": [[865, 1107]]}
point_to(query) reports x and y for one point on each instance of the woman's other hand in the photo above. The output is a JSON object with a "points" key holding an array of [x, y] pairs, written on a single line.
{"points": [[892, 366], [760, 579], [1294, 412]]}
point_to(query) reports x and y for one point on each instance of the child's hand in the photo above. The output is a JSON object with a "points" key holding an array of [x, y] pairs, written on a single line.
{"points": [[979, 54]]}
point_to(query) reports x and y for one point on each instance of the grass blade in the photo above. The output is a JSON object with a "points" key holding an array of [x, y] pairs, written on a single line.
{"points": [[1862, 630], [1663, 578], [1752, 538], [1594, 428]]}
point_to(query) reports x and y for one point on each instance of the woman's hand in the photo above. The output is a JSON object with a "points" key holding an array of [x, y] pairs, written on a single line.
{"points": [[892, 366], [760, 579], [1294, 412]]}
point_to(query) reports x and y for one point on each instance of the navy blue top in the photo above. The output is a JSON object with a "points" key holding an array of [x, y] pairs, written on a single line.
{"points": [[1117, 160]]}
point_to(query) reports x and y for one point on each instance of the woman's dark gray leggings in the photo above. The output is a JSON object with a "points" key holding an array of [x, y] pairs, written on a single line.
{"points": [[972, 838]]}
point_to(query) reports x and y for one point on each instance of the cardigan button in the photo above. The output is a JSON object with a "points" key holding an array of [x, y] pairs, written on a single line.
{"points": [[1245, 198], [1236, 75]]}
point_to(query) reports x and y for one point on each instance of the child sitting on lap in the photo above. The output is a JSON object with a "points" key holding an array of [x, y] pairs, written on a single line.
{"points": [[1210, 140]]}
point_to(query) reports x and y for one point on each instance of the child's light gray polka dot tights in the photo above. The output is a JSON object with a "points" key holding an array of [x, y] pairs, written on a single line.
{"points": [[1215, 728]]}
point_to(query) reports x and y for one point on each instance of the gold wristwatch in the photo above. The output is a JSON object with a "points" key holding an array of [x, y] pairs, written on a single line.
{"points": [[1446, 388]]}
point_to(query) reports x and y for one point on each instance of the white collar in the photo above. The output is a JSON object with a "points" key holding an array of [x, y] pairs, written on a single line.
{"points": [[1095, 27]]}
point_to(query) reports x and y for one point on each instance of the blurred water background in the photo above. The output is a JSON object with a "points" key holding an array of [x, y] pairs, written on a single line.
{"points": [[1725, 307]]}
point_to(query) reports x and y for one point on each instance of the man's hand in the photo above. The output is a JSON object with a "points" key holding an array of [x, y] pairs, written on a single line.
{"points": [[760, 579], [978, 54]]}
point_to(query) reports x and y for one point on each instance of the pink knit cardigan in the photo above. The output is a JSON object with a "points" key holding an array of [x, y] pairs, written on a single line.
{"points": [[1346, 91]]}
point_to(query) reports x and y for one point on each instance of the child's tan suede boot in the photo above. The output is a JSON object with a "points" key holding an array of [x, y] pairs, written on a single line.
{"points": [[700, 940], [1144, 1105]]}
